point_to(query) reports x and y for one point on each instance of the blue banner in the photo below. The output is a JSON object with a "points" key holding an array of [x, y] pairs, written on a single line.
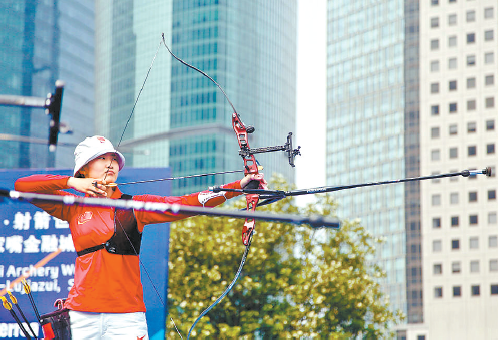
{"points": [[29, 234]]}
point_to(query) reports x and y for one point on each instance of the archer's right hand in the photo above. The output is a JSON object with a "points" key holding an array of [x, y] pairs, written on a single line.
{"points": [[89, 186]]}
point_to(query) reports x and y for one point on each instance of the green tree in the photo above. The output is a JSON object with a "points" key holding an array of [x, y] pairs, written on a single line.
{"points": [[296, 282]]}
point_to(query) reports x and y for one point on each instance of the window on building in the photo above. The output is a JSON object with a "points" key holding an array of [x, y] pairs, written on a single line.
{"points": [[488, 35], [489, 80], [471, 60], [435, 110], [490, 149], [436, 246], [435, 44], [452, 1], [434, 2], [453, 107], [455, 267], [438, 292], [473, 220], [474, 242], [488, 12], [455, 244], [490, 125], [435, 132], [470, 16], [494, 289], [492, 218], [436, 199], [474, 266], [454, 198], [438, 269], [471, 105], [435, 155], [452, 41], [453, 129], [435, 88], [434, 22], [453, 153], [454, 179], [472, 196], [455, 221], [452, 63], [471, 127], [489, 58], [493, 241], [436, 222], [435, 66], [492, 195], [457, 291], [452, 19], [494, 265], [452, 85], [471, 151], [490, 102], [471, 38], [475, 290], [471, 83]]}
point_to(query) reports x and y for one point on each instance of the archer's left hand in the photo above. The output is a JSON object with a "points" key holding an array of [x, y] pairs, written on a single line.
{"points": [[254, 177]]}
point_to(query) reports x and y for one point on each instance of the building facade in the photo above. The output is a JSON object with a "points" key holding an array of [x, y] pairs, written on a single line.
{"points": [[182, 120], [412, 90], [41, 43], [458, 124], [366, 125]]}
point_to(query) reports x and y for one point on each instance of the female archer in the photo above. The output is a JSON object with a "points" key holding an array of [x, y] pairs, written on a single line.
{"points": [[106, 300]]}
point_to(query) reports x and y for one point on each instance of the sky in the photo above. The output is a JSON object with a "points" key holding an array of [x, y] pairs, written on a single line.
{"points": [[310, 133]]}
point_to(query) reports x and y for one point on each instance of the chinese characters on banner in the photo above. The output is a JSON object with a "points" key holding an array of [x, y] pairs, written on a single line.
{"points": [[28, 234]]}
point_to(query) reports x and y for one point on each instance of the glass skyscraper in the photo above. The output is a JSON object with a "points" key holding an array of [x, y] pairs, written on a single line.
{"points": [[182, 120], [412, 91], [366, 124], [43, 41]]}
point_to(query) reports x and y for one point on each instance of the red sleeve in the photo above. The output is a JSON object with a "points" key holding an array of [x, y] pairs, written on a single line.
{"points": [[47, 184], [42, 184], [199, 199]]}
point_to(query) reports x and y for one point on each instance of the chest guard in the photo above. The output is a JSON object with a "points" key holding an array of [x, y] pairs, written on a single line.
{"points": [[126, 239]]}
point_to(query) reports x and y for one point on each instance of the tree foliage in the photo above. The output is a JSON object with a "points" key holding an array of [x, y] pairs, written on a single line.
{"points": [[296, 282]]}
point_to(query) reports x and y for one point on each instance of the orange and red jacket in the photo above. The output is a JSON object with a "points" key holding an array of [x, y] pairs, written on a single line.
{"points": [[105, 282]]}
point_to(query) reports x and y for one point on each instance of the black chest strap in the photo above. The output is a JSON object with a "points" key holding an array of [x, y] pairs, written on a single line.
{"points": [[126, 239]]}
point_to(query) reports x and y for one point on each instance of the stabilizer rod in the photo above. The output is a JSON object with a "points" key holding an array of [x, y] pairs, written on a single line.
{"points": [[273, 194]]}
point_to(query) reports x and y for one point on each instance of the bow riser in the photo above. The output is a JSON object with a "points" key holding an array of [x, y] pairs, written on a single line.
{"points": [[251, 167]]}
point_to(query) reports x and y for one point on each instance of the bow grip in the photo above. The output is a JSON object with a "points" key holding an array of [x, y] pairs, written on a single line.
{"points": [[253, 184]]}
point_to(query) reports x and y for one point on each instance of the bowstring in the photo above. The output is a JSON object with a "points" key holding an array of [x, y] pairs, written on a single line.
{"points": [[135, 104], [106, 174]]}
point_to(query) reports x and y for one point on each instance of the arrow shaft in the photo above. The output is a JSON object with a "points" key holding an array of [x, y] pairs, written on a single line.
{"points": [[314, 221]]}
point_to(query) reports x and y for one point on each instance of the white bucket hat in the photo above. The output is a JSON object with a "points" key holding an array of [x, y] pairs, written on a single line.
{"points": [[93, 147]]}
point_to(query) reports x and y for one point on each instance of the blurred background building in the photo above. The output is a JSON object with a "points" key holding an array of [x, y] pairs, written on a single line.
{"points": [[412, 91], [42, 41], [182, 120], [366, 124]]}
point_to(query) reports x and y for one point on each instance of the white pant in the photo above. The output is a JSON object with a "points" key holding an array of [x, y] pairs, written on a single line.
{"points": [[86, 326]]}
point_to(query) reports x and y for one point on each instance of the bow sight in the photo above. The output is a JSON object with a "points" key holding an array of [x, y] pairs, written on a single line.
{"points": [[288, 148]]}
